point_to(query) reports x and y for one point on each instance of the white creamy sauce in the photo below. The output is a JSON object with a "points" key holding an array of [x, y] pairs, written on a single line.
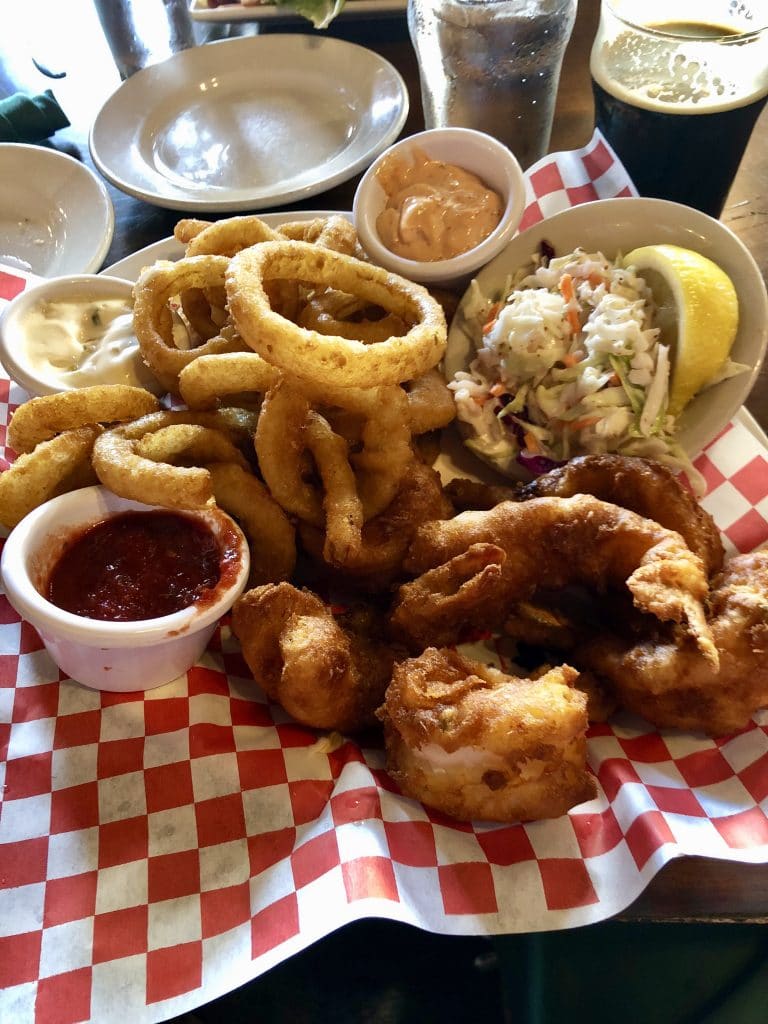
{"points": [[77, 343]]}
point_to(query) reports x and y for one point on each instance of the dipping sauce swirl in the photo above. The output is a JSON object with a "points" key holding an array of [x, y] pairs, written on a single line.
{"points": [[434, 210], [137, 566], [79, 341]]}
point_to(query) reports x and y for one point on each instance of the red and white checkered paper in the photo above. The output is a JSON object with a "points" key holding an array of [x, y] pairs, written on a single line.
{"points": [[159, 849]]}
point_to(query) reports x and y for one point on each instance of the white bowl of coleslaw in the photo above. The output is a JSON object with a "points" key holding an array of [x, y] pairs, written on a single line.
{"points": [[532, 392]]}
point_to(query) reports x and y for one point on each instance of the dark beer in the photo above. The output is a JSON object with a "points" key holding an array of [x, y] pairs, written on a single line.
{"points": [[678, 102], [688, 158]]}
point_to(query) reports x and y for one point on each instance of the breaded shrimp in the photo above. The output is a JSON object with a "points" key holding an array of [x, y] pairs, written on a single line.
{"points": [[324, 675], [672, 685], [552, 543], [642, 486], [476, 743]]}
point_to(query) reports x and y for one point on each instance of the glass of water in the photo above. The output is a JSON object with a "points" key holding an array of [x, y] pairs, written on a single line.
{"points": [[492, 65]]}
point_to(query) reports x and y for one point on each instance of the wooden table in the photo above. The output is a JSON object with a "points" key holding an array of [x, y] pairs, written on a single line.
{"points": [[68, 38]]}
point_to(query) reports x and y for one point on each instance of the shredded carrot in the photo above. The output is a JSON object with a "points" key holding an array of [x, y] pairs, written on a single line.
{"points": [[496, 390], [531, 443], [572, 358], [585, 421], [568, 293], [595, 278], [614, 380], [493, 316]]}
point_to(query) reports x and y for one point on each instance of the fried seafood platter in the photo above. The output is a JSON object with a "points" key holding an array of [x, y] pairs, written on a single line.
{"points": [[305, 398]]}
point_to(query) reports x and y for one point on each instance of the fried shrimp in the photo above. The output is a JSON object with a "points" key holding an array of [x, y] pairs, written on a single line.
{"points": [[672, 685], [555, 542], [324, 674], [478, 744], [642, 486]]}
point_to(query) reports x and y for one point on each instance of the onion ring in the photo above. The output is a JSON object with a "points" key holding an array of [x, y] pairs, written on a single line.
{"points": [[204, 382], [431, 405], [41, 418], [377, 561], [280, 445], [155, 288], [53, 467], [228, 236], [188, 228], [128, 474], [341, 504], [379, 466], [190, 442], [326, 358], [334, 232], [271, 536]]}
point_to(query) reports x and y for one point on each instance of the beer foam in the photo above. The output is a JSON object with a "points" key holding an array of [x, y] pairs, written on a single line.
{"points": [[686, 77]]}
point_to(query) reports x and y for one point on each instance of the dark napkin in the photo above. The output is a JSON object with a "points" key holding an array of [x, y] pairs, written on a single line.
{"points": [[30, 118]]}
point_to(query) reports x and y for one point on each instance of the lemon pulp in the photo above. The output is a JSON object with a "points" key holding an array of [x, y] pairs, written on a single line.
{"points": [[698, 314]]}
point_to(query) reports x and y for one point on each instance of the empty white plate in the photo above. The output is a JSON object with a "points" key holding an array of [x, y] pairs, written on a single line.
{"points": [[56, 216], [247, 123]]}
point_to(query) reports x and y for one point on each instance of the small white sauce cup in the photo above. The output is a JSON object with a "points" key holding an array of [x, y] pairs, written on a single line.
{"points": [[116, 656], [471, 150], [70, 288]]}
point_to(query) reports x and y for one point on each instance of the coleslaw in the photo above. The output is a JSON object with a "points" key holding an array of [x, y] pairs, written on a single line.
{"points": [[568, 362]]}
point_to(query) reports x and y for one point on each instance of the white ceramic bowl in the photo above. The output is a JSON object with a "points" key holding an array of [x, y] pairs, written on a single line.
{"points": [[117, 656], [56, 216], [474, 151], [615, 226], [86, 288]]}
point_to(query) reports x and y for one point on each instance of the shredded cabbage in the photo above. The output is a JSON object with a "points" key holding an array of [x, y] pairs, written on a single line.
{"points": [[568, 361]]}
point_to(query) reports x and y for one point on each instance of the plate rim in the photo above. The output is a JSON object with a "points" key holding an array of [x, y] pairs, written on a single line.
{"points": [[246, 199], [103, 233], [238, 12], [170, 249]]}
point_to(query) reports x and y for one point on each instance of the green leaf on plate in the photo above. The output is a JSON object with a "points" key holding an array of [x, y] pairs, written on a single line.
{"points": [[320, 12]]}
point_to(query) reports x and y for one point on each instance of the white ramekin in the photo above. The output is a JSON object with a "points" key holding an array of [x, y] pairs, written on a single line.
{"points": [[474, 151], [72, 287], [118, 656]]}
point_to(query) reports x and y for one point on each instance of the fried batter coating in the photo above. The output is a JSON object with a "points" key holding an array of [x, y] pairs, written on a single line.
{"points": [[472, 495], [672, 685], [385, 538], [326, 674], [552, 543], [478, 744], [465, 593], [640, 485]]}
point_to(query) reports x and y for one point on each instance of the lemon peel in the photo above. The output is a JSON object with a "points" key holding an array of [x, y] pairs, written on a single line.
{"points": [[698, 314]]}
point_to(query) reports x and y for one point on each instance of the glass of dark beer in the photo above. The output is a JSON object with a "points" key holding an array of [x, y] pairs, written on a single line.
{"points": [[678, 87]]}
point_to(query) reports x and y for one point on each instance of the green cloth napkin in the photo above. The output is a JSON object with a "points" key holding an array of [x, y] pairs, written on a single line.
{"points": [[30, 118]]}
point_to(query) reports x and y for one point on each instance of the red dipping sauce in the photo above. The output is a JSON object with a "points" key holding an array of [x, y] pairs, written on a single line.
{"points": [[135, 566]]}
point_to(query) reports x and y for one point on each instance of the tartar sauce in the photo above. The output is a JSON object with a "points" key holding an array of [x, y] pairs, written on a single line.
{"points": [[77, 343], [434, 210]]}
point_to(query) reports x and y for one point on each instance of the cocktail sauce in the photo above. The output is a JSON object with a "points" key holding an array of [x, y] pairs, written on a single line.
{"points": [[137, 565]]}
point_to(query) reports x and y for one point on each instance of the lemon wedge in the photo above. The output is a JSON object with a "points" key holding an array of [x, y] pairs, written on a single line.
{"points": [[698, 314]]}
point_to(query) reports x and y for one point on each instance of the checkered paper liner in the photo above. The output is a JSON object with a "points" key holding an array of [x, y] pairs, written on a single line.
{"points": [[160, 849]]}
